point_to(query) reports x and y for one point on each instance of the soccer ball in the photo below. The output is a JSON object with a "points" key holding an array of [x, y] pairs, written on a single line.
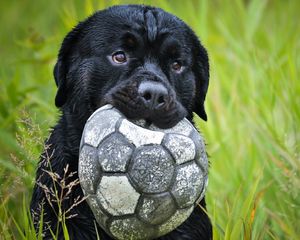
{"points": [[140, 181]]}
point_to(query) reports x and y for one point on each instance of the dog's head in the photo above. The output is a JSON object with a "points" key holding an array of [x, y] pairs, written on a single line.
{"points": [[144, 61]]}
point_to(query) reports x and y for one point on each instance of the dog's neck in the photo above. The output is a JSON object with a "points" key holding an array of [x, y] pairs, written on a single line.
{"points": [[68, 132]]}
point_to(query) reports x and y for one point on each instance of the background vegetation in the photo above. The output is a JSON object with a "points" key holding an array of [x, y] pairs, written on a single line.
{"points": [[253, 106]]}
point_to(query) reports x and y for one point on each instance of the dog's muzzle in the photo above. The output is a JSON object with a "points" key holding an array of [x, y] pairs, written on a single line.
{"points": [[145, 96]]}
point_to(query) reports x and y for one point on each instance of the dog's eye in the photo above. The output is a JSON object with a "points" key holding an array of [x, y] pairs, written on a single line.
{"points": [[119, 57], [176, 66]]}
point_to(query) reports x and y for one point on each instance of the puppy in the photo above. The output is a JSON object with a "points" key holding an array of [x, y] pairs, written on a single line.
{"points": [[147, 63]]}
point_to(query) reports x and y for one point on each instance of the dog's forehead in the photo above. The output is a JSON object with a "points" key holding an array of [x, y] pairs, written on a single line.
{"points": [[149, 22]]}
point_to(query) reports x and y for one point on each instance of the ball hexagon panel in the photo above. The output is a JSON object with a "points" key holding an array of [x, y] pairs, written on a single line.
{"points": [[156, 209], [100, 216], [177, 219], [116, 195], [151, 169], [103, 108], [112, 158], [139, 136], [98, 128], [130, 228], [89, 169], [188, 185], [181, 147], [184, 127]]}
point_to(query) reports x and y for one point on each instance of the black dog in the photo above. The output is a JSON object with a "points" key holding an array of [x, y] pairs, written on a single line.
{"points": [[144, 61]]}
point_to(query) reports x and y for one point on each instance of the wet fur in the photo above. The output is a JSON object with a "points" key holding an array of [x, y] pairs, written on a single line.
{"points": [[87, 80]]}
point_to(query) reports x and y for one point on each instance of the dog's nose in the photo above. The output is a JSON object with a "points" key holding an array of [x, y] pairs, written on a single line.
{"points": [[153, 94]]}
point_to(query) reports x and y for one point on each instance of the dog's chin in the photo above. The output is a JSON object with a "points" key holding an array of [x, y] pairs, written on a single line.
{"points": [[164, 118], [168, 118]]}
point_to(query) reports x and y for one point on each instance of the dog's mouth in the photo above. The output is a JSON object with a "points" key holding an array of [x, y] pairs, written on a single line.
{"points": [[147, 103]]}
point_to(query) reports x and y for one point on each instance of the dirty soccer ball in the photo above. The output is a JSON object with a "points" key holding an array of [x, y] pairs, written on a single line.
{"points": [[140, 182]]}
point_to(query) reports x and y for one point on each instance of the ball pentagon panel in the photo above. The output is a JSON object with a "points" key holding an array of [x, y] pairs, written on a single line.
{"points": [[156, 209], [152, 169], [112, 158]]}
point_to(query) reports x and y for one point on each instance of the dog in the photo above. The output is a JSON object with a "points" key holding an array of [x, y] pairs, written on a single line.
{"points": [[148, 64]]}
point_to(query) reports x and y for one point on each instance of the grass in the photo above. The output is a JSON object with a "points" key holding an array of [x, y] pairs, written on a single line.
{"points": [[253, 106]]}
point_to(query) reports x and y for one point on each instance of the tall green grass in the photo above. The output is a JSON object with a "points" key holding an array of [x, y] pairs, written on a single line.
{"points": [[253, 105]]}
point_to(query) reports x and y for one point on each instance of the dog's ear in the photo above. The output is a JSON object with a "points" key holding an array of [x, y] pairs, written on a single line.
{"points": [[60, 80], [65, 58], [201, 71]]}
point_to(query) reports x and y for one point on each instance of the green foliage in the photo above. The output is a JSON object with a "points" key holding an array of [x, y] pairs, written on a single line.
{"points": [[253, 132]]}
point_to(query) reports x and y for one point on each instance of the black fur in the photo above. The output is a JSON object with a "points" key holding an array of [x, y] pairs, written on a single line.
{"points": [[87, 79]]}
